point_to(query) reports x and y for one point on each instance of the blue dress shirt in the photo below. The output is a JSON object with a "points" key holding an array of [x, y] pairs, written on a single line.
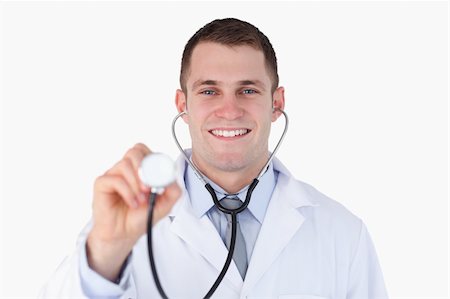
{"points": [[250, 219]]}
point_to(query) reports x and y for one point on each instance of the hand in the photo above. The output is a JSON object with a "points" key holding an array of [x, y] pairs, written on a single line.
{"points": [[120, 208]]}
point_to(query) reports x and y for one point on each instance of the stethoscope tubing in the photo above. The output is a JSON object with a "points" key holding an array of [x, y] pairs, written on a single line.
{"points": [[151, 207], [152, 258], [212, 192], [239, 209]]}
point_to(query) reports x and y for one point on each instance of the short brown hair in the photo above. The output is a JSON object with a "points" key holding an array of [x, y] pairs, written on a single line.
{"points": [[230, 32]]}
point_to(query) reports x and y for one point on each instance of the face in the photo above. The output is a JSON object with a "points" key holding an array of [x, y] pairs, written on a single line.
{"points": [[229, 104]]}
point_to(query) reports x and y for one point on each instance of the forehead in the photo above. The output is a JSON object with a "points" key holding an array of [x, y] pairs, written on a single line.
{"points": [[228, 64]]}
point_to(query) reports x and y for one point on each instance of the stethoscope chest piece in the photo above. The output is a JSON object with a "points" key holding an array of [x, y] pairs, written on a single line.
{"points": [[157, 171]]}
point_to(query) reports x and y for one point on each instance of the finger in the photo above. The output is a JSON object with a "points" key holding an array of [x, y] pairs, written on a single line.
{"points": [[111, 184], [137, 153], [142, 147], [125, 169]]}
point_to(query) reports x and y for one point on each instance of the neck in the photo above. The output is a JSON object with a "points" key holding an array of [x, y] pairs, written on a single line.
{"points": [[232, 181]]}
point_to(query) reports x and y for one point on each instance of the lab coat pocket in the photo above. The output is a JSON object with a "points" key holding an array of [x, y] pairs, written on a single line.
{"points": [[299, 296]]}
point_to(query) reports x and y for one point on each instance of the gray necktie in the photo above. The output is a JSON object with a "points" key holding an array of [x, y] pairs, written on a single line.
{"points": [[240, 252]]}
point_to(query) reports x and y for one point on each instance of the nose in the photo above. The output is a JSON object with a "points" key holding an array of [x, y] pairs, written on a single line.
{"points": [[230, 108]]}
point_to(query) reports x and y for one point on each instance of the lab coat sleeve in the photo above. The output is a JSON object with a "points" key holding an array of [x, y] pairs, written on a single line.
{"points": [[365, 276], [96, 286], [74, 279]]}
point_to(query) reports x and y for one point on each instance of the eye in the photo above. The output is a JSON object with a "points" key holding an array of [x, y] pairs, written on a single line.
{"points": [[249, 91], [208, 92]]}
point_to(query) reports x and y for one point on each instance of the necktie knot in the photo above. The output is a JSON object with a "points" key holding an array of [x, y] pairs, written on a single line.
{"points": [[230, 203]]}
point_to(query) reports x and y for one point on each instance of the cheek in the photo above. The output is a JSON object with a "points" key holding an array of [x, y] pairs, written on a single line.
{"points": [[200, 115], [266, 125], [264, 116], [196, 121]]}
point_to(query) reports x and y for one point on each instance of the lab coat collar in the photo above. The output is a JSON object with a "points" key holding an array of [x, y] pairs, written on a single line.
{"points": [[303, 197]]}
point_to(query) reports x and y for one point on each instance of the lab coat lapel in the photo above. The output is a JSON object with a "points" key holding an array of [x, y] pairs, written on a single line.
{"points": [[201, 235], [281, 222]]}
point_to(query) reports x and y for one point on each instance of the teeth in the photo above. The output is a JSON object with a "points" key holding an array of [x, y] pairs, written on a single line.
{"points": [[231, 133]]}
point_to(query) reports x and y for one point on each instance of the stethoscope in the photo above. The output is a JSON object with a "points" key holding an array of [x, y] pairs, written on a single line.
{"points": [[157, 170]]}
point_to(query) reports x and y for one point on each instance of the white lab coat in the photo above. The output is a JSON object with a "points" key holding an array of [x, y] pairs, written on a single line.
{"points": [[309, 247]]}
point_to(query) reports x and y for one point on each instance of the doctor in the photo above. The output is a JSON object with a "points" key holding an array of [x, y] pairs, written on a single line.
{"points": [[297, 243]]}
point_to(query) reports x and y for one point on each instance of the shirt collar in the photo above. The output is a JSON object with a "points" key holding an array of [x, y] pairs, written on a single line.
{"points": [[202, 202]]}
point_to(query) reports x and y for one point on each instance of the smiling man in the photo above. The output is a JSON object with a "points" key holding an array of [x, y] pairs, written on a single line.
{"points": [[229, 94], [292, 241]]}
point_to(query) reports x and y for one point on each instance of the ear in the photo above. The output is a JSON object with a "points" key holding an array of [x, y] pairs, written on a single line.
{"points": [[181, 103], [278, 102]]}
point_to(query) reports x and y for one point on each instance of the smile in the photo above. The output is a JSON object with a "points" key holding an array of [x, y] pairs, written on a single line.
{"points": [[229, 133]]}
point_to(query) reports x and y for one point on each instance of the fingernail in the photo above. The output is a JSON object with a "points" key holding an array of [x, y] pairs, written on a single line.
{"points": [[142, 197]]}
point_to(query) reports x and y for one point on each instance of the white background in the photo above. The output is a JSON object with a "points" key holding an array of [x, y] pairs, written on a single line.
{"points": [[366, 89]]}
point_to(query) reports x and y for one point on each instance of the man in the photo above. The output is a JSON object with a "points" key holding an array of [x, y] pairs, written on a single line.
{"points": [[297, 243]]}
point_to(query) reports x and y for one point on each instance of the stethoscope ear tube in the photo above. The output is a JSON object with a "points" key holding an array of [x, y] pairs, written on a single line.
{"points": [[186, 157], [198, 172]]}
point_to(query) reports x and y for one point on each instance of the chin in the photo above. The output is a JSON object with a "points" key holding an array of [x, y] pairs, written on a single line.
{"points": [[230, 162]]}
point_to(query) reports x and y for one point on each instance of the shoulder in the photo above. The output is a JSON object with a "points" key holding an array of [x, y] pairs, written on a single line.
{"points": [[330, 221], [328, 209], [315, 206]]}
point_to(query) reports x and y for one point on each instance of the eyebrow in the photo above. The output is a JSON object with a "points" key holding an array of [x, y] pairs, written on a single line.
{"points": [[258, 83], [199, 83]]}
